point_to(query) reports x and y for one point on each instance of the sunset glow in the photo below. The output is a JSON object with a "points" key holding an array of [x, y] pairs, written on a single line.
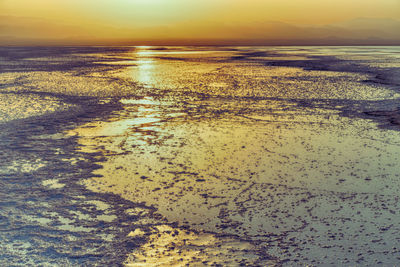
{"points": [[207, 22]]}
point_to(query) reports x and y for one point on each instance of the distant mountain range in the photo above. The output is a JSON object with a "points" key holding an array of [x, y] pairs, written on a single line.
{"points": [[359, 31], [368, 28], [380, 24]]}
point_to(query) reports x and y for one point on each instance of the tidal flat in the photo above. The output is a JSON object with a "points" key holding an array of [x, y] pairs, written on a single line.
{"points": [[199, 156]]}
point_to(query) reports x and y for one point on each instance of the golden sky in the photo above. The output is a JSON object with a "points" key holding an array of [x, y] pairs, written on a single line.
{"points": [[149, 20]]}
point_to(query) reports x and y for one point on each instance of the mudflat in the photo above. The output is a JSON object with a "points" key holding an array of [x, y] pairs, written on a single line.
{"points": [[200, 155]]}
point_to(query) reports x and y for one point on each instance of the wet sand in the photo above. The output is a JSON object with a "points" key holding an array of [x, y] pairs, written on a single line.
{"points": [[205, 156]]}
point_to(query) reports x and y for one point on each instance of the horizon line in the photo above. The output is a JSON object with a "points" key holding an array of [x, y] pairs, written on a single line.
{"points": [[372, 42]]}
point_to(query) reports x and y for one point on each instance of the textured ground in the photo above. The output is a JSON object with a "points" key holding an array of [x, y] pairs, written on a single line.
{"points": [[174, 156]]}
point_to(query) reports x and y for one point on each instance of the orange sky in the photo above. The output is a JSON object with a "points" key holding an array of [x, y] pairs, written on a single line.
{"points": [[141, 21]]}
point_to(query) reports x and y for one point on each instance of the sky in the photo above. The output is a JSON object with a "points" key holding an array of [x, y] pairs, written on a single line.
{"points": [[199, 21]]}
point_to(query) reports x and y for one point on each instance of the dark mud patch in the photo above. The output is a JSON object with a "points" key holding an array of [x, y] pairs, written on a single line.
{"points": [[389, 119]]}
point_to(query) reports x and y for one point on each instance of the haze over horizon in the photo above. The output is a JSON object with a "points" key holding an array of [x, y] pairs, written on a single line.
{"points": [[207, 22]]}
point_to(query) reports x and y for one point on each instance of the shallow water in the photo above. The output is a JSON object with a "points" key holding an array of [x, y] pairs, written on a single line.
{"points": [[153, 156]]}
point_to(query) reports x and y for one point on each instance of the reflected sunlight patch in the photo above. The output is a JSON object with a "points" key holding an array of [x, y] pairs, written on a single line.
{"points": [[171, 246]]}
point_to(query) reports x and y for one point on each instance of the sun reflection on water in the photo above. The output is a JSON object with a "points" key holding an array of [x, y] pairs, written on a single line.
{"points": [[144, 71]]}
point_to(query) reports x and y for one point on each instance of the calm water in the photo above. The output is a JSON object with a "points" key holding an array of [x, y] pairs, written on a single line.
{"points": [[167, 156]]}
